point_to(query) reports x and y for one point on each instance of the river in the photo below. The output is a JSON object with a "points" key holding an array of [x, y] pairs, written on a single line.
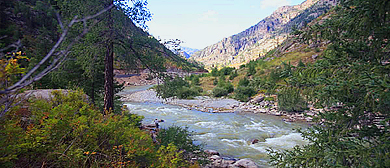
{"points": [[228, 133]]}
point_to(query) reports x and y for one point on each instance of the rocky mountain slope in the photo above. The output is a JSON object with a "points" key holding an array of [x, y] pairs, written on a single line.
{"points": [[257, 40]]}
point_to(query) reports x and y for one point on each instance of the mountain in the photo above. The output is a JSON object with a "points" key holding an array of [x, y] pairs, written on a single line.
{"points": [[257, 40], [187, 52]]}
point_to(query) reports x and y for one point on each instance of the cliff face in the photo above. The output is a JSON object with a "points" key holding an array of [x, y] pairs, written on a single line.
{"points": [[257, 40]]}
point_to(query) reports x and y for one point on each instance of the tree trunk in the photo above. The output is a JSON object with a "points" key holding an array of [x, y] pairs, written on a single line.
{"points": [[109, 69]]}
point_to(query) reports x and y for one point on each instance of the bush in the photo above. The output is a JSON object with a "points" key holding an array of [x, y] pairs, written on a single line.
{"points": [[275, 75], [68, 132], [244, 93], [171, 87], [229, 87], [251, 69], [290, 99], [215, 82], [181, 138], [221, 81], [219, 92], [214, 72], [233, 75], [225, 71], [195, 80], [243, 82], [187, 92]]}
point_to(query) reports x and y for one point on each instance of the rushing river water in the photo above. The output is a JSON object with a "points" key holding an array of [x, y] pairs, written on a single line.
{"points": [[228, 133]]}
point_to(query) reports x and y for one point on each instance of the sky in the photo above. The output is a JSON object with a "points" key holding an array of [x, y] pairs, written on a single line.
{"points": [[200, 23]]}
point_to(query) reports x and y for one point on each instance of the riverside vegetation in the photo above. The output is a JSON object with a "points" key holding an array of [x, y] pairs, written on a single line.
{"points": [[67, 131]]}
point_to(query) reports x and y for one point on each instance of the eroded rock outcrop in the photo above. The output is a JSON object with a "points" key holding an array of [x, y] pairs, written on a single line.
{"points": [[257, 40]]}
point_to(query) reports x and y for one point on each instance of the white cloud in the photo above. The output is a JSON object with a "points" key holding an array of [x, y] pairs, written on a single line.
{"points": [[209, 16], [274, 3]]}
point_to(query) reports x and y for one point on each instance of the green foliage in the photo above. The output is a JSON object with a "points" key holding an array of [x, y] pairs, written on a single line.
{"points": [[221, 81], [251, 68], [214, 72], [215, 81], [301, 64], [171, 87], [168, 156], [244, 93], [223, 88], [352, 82], [220, 91], [269, 99], [68, 132], [229, 87], [226, 71], [188, 92], [243, 82], [291, 100], [195, 80], [233, 75], [181, 138], [177, 87]]}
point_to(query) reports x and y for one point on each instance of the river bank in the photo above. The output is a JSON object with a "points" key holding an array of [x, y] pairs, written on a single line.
{"points": [[222, 105]]}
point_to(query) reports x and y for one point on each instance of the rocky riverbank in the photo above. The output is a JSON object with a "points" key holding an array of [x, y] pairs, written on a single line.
{"points": [[222, 105]]}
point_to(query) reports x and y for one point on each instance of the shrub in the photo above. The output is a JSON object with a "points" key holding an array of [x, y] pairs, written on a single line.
{"points": [[290, 99], [243, 82], [219, 92], [244, 93], [187, 92], [168, 156], [214, 72], [195, 80], [233, 75], [171, 87], [229, 87], [181, 138], [251, 69], [225, 71], [275, 75], [301, 64], [221, 81], [215, 82], [68, 132]]}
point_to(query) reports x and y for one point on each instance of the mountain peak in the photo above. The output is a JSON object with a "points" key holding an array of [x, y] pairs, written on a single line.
{"points": [[257, 40]]}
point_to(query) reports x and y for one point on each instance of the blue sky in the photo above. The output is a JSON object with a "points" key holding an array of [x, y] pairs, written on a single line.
{"points": [[200, 23]]}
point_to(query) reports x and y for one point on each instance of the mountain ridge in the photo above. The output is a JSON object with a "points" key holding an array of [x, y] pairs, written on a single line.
{"points": [[257, 40]]}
